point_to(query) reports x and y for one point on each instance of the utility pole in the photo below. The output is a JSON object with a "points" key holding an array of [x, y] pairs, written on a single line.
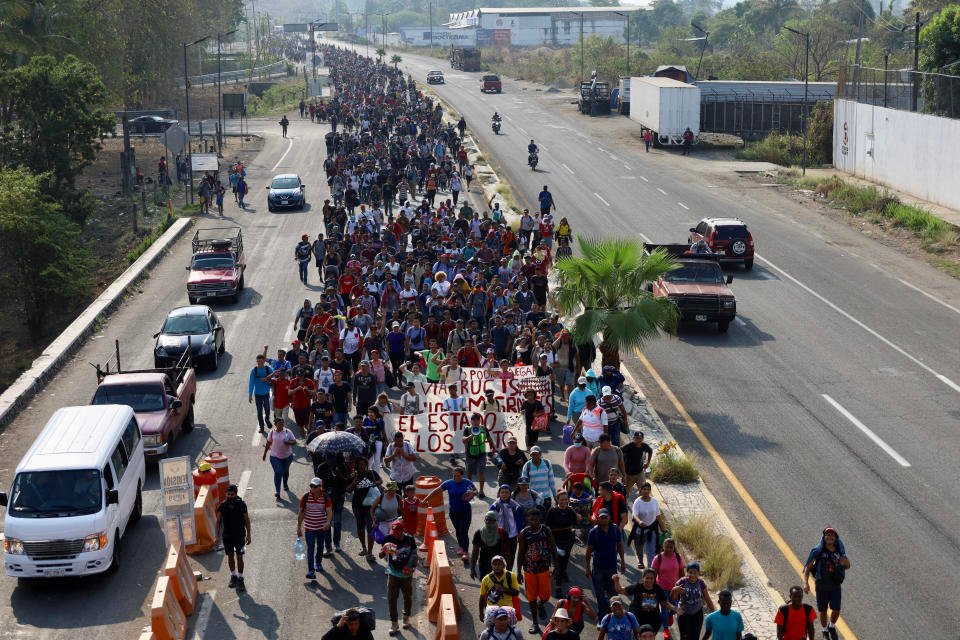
{"points": [[186, 79], [220, 37], [431, 27], [916, 63], [886, 60], [313, 49]]}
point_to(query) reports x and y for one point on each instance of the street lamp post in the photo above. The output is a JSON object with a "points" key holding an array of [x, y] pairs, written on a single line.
{"points": [[186, 78], [806, 82], [220, 37], [431, 27]]}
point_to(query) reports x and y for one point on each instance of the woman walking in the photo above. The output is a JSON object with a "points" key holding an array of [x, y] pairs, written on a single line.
{"points": [[362, 482], [460, 492], [279, 445]]}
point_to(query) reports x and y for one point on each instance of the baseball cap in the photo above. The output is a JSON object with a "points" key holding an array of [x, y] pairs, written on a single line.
{"points": [[581, 380], [523, 480], [489, 392], [498, 558], [637, 434], [511, 438], [501, 611], [579, 438], [606, 391], [693, 565], [296, 343], [603, 512], [830, 530], [535, 449], [616, 600], [316, 482]]}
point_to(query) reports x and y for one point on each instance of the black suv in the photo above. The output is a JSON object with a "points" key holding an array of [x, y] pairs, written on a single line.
{"points": [[729, 238]]}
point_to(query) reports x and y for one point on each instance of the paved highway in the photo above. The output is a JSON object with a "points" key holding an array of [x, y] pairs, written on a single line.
{"points": [[838, 335]]}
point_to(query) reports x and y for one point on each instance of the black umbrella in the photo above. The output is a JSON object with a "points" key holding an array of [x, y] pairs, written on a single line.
{"points": [[337, 442]]}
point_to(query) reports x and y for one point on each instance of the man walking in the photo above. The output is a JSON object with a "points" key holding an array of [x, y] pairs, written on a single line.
{"points": [[828, 563], [302, 253], [284, 123], [313, 522], [400, 550], [259, 389], [233, 528], [725, 623], [476, 440], [535, 556], [604, 545], [636, 459]]}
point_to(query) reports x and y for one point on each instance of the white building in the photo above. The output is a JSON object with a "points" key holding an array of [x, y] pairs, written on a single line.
{"points": [[539, 26]]}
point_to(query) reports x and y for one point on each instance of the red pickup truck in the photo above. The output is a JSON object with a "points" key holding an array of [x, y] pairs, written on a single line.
{"points": [[697, 286], [162, 399], [218, 265], [490, 82]]}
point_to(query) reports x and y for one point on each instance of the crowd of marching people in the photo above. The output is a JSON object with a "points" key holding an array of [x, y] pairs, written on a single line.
{"points": [[417, 286]]}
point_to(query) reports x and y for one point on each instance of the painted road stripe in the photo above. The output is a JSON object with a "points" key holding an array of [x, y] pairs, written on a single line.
{"points": [[522, 129], [627, 167], [203, 618], [947, 381], [566, 167], [734, 481], [289, 146], [645, 238], [257, 438], [866, 430], [929, 295], [661, 191], [599, 197], [684, 206], [644, 178], [244, 481]]}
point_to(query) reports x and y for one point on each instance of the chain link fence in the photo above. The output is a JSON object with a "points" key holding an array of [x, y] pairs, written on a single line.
{"points": [[905, 89]]}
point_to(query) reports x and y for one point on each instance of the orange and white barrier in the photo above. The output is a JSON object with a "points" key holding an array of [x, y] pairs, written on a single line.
{"points": [[424, 485], [147, 634], [431, 537], [205, 519], [218, 461], [167, 620], [440, 583], [447, 628], [182, 580]]}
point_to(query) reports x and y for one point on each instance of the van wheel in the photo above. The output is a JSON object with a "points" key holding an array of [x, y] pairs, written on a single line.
{"points": [[137, 506], [723, 326], [115, 556], [188, 422]]}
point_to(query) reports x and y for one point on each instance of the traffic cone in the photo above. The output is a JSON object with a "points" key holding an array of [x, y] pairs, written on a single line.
{"points": [[430, 535]]}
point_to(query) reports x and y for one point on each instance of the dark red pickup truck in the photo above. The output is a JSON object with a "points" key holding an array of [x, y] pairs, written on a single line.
{"points": [[218, 264], [490, 83], [697, 287]]}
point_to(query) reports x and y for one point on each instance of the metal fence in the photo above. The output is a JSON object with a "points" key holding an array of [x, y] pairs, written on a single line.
{"points": [[752, 118], [236, 77], [905, 89]]}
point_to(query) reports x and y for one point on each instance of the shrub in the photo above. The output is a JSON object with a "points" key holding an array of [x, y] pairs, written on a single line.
{"points": [[673, 467], [720, 560], [820, 133], [782, 149]]}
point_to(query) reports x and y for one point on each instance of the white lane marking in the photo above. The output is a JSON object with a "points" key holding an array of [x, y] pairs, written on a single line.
{"points": [[866, 430], [613, 157], [542, 147], [600, 198], [628, 177], [661, 191], [522, 129], [644, 178], [289, 146], [244, 481], [257, 438], [848, 316], [627, 167], [929, 295], [684, 206], [203, 618], [739, 322], [645, 238], [508, 117], [566, 167]]}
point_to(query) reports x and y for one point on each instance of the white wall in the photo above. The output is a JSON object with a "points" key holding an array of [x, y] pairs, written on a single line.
{"points": [[912, 152]]}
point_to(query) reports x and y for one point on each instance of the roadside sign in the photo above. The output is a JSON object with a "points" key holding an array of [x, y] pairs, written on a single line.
{"points": [[296, 27], [176, 491], [234, 101], [204, 162], [326, 26], [175, 139]]}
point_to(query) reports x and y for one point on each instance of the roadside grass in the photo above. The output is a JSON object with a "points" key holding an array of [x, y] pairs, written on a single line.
{"points": [[162, 225], [720, 560], [785, 150], [282, 97], [670, 466]]}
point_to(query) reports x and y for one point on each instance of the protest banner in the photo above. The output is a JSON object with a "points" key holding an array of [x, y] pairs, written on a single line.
{"points": [[509, 392], [441, 432]]}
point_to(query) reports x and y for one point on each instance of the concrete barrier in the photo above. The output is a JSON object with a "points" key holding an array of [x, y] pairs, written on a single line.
{"points": [[440, 583], [49, 363], [184, 583], [167, 620], [447, 627], [205, 519]]}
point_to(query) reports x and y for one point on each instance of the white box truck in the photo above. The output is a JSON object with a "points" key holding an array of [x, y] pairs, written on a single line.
{"points": [[666, 107]]}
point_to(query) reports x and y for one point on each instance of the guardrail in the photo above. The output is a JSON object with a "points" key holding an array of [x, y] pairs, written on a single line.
{"points": [[235, 77]]}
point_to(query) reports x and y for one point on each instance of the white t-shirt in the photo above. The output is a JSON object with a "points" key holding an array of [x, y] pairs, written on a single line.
{"points": [[401, 469], [594, 423], [646, 511], [411, 403], [351, 340], [324, 378]]}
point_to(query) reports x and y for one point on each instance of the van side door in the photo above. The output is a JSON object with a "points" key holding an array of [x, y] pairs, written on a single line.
{"points": [[120, 463], [137, 464]]}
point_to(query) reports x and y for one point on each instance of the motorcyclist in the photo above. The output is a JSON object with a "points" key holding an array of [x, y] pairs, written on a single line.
{"points": [[496, 117], [532, 151]]}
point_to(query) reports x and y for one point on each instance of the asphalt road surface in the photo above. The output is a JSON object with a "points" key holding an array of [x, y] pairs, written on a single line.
{"points": [[837, 334]]}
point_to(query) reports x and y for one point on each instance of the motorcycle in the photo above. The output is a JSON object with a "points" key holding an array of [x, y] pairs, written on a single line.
{"points": [[496, 127], [532, 160]]}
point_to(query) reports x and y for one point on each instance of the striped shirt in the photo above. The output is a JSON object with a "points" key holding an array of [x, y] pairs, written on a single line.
{"points": [[541, 477], [315, 510]]}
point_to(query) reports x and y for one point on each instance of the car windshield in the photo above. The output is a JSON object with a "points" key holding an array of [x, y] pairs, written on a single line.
{"points": [[490, 78], [737, 232], [285, 183], [707, 273], [142, 398], [434, 73], [52, 494], [202, 263], [186, 325]]}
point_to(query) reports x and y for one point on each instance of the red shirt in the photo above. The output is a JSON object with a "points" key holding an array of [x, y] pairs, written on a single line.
{"points": [[409, 510], [468, 357], [347, 282], [301, 397], [281, 392], [796, 628]]}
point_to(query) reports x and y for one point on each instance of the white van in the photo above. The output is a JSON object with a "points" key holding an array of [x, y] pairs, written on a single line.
{"points": [[74, 494]]}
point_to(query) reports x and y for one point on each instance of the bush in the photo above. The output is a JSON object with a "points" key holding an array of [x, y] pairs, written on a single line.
{"points": [[820, 133], [782, 149], [719, 558], [672, 467], [278, 98]]}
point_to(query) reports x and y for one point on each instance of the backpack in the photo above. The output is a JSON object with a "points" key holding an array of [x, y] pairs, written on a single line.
{"points": [[830, 573], [785, 611]]}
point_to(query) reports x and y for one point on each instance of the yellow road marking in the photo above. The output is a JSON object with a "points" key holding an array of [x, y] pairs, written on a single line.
{"points": [[731, 477]]}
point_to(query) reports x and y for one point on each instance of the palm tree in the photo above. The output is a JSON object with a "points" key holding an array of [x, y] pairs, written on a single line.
{"points": [[606, 286], [381, 52], [395, 59]]}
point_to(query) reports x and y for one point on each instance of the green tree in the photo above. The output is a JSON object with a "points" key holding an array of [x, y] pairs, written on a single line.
{"points": [[50, 267], [55, 118], [606, 288], [939, 48], [395, 59]]}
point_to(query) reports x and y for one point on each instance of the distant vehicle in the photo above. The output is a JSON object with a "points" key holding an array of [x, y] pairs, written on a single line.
{"points": [[218, 265], [76, 492], [162, 399], [465, 58], [623, 97], [435, 77], [729, 238], [150, 124], [286, 191], [195, 325], [596, 92], [666, 107], [490, 83], [697, 287]]}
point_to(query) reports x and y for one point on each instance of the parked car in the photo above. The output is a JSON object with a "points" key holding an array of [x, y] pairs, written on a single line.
{"points": [[729, 238], [286, 191], [150, 124], [435, 77], [162, 399], [490, 82], [196, 324], [74, 495]]}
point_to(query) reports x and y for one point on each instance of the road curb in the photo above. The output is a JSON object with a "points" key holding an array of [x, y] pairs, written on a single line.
{"points": [[52, 359]]}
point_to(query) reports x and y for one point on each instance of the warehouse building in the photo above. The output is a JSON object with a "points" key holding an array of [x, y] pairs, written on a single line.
{"points": [[542, 26]]}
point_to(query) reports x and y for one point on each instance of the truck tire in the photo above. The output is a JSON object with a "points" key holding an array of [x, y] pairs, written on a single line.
{"points": [[723, 325], [115, 556], [137, 512], [189, 421], [241, 284], [192, 300]]}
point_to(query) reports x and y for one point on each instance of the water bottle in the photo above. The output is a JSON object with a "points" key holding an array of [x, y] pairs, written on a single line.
{"points": [[299, 550]]}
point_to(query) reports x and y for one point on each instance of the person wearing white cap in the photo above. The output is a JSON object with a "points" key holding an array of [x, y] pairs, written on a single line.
{"points": [[313, 522], [612, 404], [577, 400]]}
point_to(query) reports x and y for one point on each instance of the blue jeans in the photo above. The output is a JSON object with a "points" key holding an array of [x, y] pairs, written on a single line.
{"points": [[603, 589], [281, 471], [337, 498], [303, 266], [263, 408], [614, 430], [316, 540], [339, 417], [461, 526]]}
